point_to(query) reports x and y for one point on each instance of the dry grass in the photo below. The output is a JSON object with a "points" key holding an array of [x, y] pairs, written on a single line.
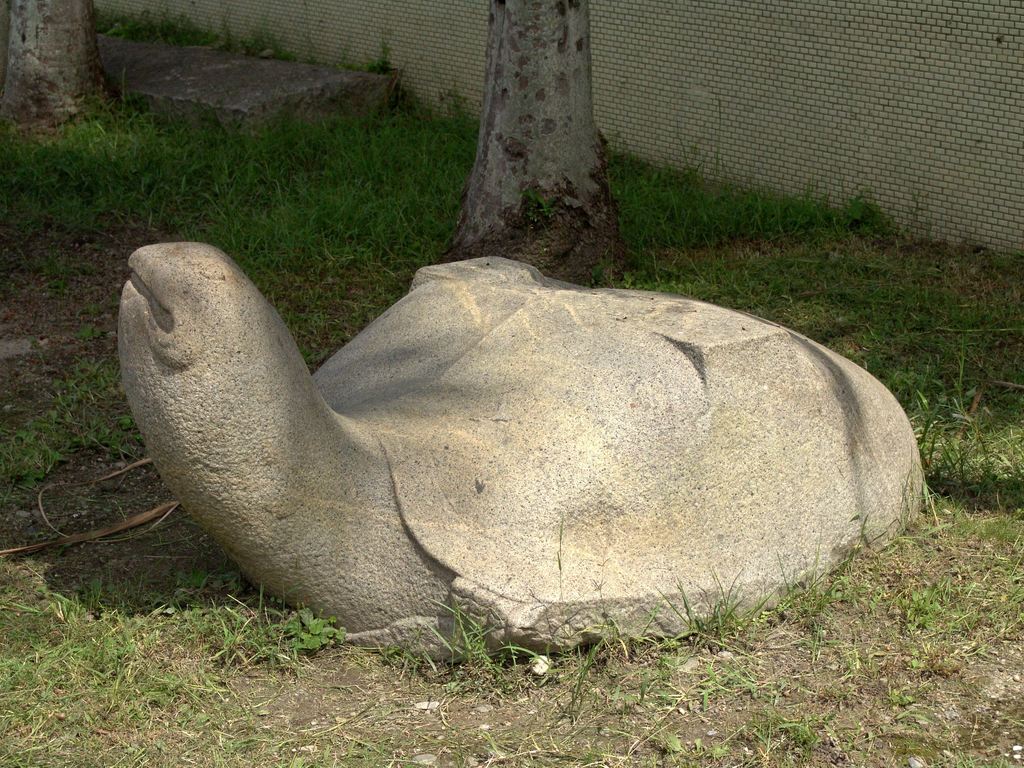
{"points": [[150, 650]]}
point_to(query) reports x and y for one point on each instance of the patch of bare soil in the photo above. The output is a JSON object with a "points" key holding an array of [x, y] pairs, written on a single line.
{"points": [[58, 307]]}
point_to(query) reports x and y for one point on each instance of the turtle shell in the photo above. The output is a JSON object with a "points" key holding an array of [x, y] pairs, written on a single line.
{"points": [[570, 451]]}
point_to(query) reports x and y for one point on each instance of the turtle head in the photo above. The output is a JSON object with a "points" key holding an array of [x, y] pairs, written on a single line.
{"points": [[206, 362], [185, 302]]}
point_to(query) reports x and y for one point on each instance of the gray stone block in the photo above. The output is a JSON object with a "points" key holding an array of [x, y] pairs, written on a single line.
{"points": [[194, 83]]}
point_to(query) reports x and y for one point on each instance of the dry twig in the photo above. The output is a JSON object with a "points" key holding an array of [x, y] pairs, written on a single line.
{"points": [[157, 513]]}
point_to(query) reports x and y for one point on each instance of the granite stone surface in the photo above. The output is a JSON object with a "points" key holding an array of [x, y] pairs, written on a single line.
{"points": [[548, 459]]}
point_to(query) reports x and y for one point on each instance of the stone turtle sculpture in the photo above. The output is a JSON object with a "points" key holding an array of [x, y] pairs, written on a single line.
{"points": [[549, 460]]}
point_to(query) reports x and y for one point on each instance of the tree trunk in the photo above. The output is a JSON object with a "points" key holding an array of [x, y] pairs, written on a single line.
{"points": [[52, 61], [5, 20], [538, 191]]}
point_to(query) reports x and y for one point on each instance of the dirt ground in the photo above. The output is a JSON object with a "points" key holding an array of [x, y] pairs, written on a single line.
{"points": [[910, 654], [59, 308]]}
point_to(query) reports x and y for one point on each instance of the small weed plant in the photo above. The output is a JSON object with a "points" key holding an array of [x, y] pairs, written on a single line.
{"points": [[309, 633]]}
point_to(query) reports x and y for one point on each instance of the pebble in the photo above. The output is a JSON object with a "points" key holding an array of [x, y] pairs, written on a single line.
{"points": [[915, 762], [483, 709], [425, 759], [540, 666], [14, 348], [430, 706], [690, 666]]}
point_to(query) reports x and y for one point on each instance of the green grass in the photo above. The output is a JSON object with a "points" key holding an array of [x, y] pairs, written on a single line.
{"points": [[294, 196], [379, 194], [662, 208], [155, 29], [331, 220], [164, 28], [81, 417], [370, 201], [180, 30], [345, 191]]}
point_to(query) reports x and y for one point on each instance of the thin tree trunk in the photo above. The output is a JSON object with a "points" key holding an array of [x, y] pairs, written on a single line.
{"points": [[5, 25], [52, 61], [538, 191]]}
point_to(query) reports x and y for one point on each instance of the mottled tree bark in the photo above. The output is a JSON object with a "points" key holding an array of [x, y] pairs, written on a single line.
{"points": [[5, 19], [538, 191], [52, 61]]}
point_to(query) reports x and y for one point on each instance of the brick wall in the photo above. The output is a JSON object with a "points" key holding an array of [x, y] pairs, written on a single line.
{"points": [[920, 104]]}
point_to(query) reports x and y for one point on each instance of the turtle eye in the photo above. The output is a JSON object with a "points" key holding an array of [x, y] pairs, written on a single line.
{"points": [[158, 313], [170, 352]]}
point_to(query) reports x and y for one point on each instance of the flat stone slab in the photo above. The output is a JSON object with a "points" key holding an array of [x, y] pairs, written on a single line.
{"points": [[195, 82], [14, 348]]}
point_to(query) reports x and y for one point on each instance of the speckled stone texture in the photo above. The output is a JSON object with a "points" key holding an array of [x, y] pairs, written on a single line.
{"points": [[548, 459], [195, 83]]}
